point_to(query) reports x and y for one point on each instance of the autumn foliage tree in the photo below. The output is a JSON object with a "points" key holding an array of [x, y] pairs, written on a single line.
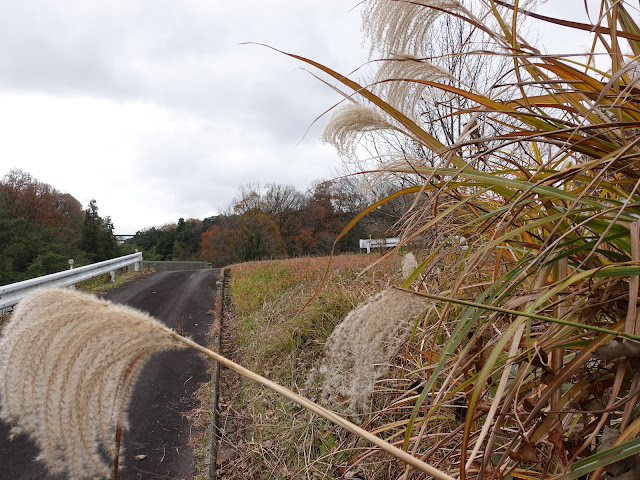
{"points": [[36, 202], [41, 228], [277, 220], [274, 221], [252, 235]]}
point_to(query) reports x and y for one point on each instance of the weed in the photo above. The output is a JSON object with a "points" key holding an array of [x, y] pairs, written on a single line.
{"points": [[535, 166]]}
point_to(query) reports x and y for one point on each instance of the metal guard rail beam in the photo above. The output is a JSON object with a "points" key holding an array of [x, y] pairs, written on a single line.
{"points": [[13, 293]]}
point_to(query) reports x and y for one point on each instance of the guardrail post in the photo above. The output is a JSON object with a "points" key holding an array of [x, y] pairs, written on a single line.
{"points": [[71, 262], [112, 276], [138, 265]]}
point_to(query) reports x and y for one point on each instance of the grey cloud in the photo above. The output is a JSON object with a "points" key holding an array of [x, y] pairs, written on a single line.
{"points": [[181, 53]]}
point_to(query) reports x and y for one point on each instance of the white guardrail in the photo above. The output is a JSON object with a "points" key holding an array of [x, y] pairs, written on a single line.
{"points": [[370, 243], [13, 293]]}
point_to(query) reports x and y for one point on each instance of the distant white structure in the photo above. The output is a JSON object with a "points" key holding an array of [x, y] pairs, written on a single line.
{"points": [[370, 243]]}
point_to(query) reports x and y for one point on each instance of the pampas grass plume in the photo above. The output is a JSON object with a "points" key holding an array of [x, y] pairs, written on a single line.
{"points": [[68, 362], [349, 123], [359, 349], [401, 27]]}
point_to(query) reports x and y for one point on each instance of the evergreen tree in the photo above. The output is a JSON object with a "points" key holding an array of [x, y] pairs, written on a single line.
{"points": [[97, 235]]}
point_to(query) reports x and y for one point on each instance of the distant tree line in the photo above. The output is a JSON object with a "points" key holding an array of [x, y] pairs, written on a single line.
{"points": [[42, 228], [272, 221]]}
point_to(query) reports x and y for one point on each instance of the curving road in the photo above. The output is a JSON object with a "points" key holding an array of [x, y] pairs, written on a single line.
{"points": [[164, 391]]}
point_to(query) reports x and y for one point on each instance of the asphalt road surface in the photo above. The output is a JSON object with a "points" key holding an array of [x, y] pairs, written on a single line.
{"points": [[163, 393]]}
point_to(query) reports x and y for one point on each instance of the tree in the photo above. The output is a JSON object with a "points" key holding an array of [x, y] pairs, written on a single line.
{"points": [[188, 236], [250, 198], [164, 246], [97, 235], [260, 237], [39, 228], [37, 202], [285, 203], [240, 238]]}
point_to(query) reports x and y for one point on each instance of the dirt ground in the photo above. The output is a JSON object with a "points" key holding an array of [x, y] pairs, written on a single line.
{"points": [[163, 393], [230, 463]]}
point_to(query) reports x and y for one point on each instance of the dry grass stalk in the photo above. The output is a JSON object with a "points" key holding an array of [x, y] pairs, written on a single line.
{"points": [[406, 95]]}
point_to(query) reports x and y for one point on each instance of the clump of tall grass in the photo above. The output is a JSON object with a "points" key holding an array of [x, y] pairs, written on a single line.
{"points": [[538, 169], [275, 336]]}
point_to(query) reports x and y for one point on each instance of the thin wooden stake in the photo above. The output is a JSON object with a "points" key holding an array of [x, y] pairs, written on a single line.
{"points": [[116, 459]]}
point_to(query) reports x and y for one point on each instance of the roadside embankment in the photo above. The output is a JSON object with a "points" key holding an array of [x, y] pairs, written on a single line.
{"points": [[263, 435]]}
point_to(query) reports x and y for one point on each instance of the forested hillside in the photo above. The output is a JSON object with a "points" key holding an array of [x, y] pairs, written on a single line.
{"points": [[271, 221], [41, 228]]}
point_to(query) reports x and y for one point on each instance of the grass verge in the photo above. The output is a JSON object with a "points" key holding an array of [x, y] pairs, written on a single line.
{"points": [[102, 283], [279, 439], [4, 318]]}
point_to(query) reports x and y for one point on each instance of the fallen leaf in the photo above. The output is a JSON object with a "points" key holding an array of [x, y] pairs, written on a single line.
{"points": [[525, 453], [483, 405], [140, 457]]}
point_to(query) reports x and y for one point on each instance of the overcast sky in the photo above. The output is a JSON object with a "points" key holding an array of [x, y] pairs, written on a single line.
{"points": [[153, 107]]}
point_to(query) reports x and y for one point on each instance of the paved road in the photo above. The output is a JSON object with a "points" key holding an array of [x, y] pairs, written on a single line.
{"points": [[163, 391]]}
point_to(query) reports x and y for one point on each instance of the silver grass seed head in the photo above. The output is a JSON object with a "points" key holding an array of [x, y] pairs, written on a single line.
{"points": [[397, 81], [348, 124], [68, 362], [359, 349], [401, 27]]}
